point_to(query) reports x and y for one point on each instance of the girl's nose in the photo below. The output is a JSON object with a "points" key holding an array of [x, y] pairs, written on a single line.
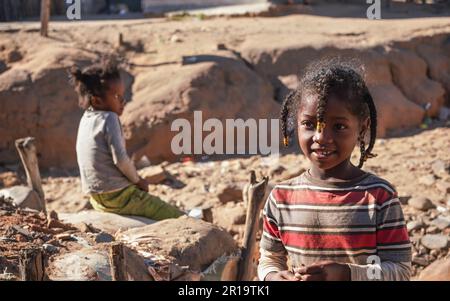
{"points": [[322, 136]]}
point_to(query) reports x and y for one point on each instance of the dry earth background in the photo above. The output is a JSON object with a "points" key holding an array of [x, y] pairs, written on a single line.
{"points": [[407, 64]]}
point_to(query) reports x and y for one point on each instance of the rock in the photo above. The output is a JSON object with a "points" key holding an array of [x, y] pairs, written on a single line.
{"points": [[432, 230], [409, 73], [441, 222], [82, 265], [154, 174], [440, 168], [103, 237], [107, 222], [175, 39], [427, 180], [228, 193], [218, 85], [23, 197], [191, 242], [420, 203], [420, 260], [230, 215], [14, 56], [202, 213], [434, 241], [50, 248], [438, 62], [84, 228], [64, 236], [413, 225], [52, 215], [437, 271], [443, 187]]}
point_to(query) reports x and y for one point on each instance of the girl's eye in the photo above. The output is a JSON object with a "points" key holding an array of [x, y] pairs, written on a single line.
{"points": [[308, 124], [340, 126]]}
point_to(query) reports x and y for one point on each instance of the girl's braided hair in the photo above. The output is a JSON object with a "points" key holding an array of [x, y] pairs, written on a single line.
{"points": [[93, 80], [330, 77]]}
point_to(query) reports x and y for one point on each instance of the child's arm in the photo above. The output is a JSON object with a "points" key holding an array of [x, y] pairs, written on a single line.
{"points": [[394, 247], [273, 259], [116, 143], [271, 263]]}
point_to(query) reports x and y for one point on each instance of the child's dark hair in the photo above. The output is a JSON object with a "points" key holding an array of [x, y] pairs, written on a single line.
{"points": [[93, 80], [329, 77]]}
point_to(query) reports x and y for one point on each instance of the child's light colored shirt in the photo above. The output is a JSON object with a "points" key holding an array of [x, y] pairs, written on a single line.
{"points": [[353, 222], [102, 157]]}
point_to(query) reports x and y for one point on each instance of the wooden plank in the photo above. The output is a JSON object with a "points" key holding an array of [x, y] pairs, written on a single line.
{"points": [[255, 195], [45, 17], [27, 151], [31, 265]]}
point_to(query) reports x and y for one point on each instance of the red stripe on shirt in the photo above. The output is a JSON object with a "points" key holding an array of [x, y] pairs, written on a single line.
{"points": [[329, 241], [270, 227], [392, 236]]}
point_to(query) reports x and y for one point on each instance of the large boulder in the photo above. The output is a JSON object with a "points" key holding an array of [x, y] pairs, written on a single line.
{"points": [[437, 271], [23, 197], [438, 61], [87, 264], [219, 85], [278, 62], [108, 222], [37, 96], [388, 98], [191, 242], [409, 73]]}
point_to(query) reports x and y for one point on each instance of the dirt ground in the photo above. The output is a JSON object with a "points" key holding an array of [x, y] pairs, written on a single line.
{"points": [[404, 157]]}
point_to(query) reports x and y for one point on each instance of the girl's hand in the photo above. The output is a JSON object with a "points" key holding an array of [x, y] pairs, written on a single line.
{"points": [[324, 271], [143, 184], [281, 276]]}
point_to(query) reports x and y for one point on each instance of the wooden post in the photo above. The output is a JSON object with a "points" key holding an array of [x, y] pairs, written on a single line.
{"points": [[27, 151], [117, 263], [45, 17], [256, 193], [31, 265]]}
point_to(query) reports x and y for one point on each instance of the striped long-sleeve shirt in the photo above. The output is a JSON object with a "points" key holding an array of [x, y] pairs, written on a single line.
{"points": [[310, 220]]}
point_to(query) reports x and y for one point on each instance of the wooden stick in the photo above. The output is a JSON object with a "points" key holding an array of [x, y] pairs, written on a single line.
{"points": [[117, 262], [256, 193], [31, 265], [45, 17], [27, 151]]}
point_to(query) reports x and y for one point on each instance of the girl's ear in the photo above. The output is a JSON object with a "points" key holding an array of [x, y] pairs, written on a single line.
{"points": [[365, 125], [96, 102]]}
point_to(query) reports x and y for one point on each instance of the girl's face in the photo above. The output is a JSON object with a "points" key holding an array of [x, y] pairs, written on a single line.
{"points": [[335, 143], [113, 99]]}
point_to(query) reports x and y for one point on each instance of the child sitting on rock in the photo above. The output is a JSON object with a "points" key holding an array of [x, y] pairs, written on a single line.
{"points": [[335, 221], [107, 173]]}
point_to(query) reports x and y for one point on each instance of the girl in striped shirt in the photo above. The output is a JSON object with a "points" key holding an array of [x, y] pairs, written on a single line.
{"points": [[335, 221]]}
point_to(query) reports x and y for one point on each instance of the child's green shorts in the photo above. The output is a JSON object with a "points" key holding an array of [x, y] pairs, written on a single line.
{"points": [[133, 201]]}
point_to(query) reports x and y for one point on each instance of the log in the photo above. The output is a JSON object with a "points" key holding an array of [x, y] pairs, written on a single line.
{"points": [[255, 196], [117, 262], [127, 265], [45, 17], [31, 265], [27, 151]]}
